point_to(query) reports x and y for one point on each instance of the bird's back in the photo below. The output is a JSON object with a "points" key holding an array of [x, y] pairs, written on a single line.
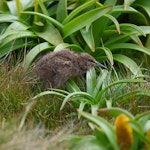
{"points": [[57, 67]]}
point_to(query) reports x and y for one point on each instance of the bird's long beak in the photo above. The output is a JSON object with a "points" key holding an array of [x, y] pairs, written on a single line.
{"points": [[100, 65]]}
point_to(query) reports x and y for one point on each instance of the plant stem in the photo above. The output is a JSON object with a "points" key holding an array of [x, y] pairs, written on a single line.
{"points": [[35, 10], [18, 6]]}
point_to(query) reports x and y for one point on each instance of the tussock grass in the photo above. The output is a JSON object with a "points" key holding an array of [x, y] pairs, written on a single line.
{"points": [[16, 89]]}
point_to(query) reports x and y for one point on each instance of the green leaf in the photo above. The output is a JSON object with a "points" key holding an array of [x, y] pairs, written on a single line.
{"points": [[84, 19], [88, 37], [50, 19], [48, 93], [136, 39], [130, 46], [14, 28], [98, 98], [144, 5], [78, 10], [110, 2], [126, 96], [7, 18], [99, 82], [114, 21], [43, 8], [106, 127], [143, 117], [61, 13], [118, 9], [129, 63], [81, 107], [17, 44], [138, 129], [50, 34], [25, 4], [132, 27], [72, 86], [90, 80], [79, 95], [74, 47], [127, 3], [108, 54], [34, 52], [17, 35]]}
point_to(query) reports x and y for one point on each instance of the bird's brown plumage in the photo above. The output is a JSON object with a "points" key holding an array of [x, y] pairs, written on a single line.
{"points": [[57, 67]]}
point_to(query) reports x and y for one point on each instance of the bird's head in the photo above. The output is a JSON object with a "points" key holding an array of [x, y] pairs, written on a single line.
{"points": [[87, 61]]}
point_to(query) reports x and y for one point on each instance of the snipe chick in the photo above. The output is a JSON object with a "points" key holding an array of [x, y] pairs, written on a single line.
{"points": [[57, 67]]}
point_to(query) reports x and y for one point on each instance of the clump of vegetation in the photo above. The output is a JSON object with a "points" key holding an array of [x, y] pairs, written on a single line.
{"points": [[16, 89]]}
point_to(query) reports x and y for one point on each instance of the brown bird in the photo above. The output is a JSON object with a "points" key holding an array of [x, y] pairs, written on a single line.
{"points": [[57, 67]]}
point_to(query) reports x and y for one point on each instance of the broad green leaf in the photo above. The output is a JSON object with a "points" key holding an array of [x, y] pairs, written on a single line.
{"points": [[14, 28], [114, 21], [78, 10], [110, 2], [88, 37], [122, 38], [118, 9], [147, 44], [94, 109], [3, 6], [25, 4], [100, 80], [144, 5], [127, 3], [7, 18], [84, 19], [132, 27], [99, 27], [74, 47], [108, 54], [61, 13], [145, 29], [106, 127], [34, 52], [17, 35], [136, 39], [72, 86], [50, 34], [17, 44], [90, 80], [129, 63]]}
